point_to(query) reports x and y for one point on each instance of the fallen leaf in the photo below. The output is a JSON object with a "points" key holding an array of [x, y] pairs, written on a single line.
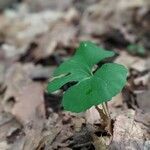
{"points": [[15, 79], [4, 145], [126, 59], [92, 116], [127, 133], [36, 72], [116, 105], [100, 143], [64, 34], [39, 5], [143, 99], [29, 103], [139, 65]]}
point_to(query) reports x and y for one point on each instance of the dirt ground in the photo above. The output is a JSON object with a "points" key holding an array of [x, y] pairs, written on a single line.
{"points": [[38, 35]]}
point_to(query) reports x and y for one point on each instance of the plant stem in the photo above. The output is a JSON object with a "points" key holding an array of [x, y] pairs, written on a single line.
{"points": [[106, 104], [103, 116], [104, 109]]}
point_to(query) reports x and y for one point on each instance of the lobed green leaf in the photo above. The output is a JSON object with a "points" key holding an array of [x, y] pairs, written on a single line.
{"points": [[91, 89]]}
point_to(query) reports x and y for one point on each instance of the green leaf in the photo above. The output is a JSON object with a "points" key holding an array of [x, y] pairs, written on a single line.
{"points": [[101, 87], [91, 89], [136, 49], [79, 66]]}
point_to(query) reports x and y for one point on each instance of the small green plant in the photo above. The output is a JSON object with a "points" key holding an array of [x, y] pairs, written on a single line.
{"points": [[94, 85], [136, 49]]}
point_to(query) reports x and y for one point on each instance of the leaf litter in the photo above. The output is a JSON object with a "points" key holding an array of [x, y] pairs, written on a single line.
{"points": [[35, 37]]}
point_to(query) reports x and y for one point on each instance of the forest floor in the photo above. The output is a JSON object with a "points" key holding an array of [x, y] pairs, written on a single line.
{"points": [[35, 37]]}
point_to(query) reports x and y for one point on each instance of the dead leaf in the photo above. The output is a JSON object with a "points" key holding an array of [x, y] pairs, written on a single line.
{"points": [[127, 134], [4, 145], [116, 105], [15, 80], [139, 65], [39, 5], [64, 34], [143, 99], [126, 59], [72, 15], [29, 103], [92, 116], [38, 71], [78, 122], [6, 124], [100, 143]]}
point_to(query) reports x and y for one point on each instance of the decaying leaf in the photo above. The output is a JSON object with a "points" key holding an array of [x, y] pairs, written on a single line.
{"points": [[28, 106], [127, 133]]}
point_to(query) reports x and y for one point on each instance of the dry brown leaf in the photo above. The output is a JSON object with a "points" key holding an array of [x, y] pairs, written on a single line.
{"points": [[139, 65], [115, 105], [143, 99], [29, 103], [78, 122], [127, 134], [92, 116], [4, 145], [15, 80], [7, 126], [63, 33], [28, 106], [39, 5], [38, 71], [100, 143], [72, 15], [27, 97], [101, 17], [20, 30], [116, 101], [126, 59]]}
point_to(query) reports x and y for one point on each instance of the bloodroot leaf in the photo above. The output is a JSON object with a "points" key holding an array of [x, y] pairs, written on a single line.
{"points": [[79, 66], [91, 89], [101, 87]]}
